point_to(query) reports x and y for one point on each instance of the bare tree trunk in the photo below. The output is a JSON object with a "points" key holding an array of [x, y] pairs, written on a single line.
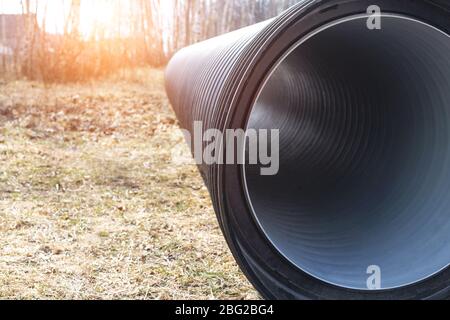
{"points": [[174, 41], [187, 22]]}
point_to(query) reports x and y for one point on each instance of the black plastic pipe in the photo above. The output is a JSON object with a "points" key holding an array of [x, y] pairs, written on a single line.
{"points": [[360, 206]]}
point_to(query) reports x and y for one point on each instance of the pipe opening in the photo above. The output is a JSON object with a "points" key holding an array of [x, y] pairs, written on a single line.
{"points": [[364, 180]]}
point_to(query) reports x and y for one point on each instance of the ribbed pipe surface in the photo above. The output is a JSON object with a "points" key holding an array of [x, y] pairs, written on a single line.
{"points": [[364, 122]]}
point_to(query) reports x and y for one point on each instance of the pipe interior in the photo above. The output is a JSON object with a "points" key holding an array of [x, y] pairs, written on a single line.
{"points": [[364, 180]]}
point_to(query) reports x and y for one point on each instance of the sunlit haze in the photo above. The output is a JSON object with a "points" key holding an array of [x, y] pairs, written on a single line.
{"points": [[105, 17]]}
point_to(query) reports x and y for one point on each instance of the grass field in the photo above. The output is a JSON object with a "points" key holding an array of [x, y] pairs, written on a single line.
{"points": [[91, 206]]}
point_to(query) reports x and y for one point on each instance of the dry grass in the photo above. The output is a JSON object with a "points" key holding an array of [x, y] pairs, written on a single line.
{"points": [[90, 205]]}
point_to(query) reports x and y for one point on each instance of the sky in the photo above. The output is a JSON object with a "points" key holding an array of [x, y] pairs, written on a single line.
{"points": [[94, 14], [54, 9]]}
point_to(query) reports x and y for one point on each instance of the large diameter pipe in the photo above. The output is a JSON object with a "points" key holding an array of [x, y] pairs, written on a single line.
{"points": [[360, 206]]}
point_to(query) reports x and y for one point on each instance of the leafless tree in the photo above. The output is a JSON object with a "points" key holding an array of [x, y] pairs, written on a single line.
{"points": [[144, 32]]}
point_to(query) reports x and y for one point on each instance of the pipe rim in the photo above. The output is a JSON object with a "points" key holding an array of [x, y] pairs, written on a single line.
{"points": [[244, 170]]}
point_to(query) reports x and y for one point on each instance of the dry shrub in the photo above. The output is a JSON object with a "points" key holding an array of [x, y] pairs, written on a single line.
{"points": [[71, 59]]}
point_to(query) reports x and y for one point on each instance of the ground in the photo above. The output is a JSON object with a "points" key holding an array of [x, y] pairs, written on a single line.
{"points": [[91, 205]]}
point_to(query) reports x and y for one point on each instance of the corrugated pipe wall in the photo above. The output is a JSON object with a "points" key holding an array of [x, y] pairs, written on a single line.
{"points": [[351, 200]]}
